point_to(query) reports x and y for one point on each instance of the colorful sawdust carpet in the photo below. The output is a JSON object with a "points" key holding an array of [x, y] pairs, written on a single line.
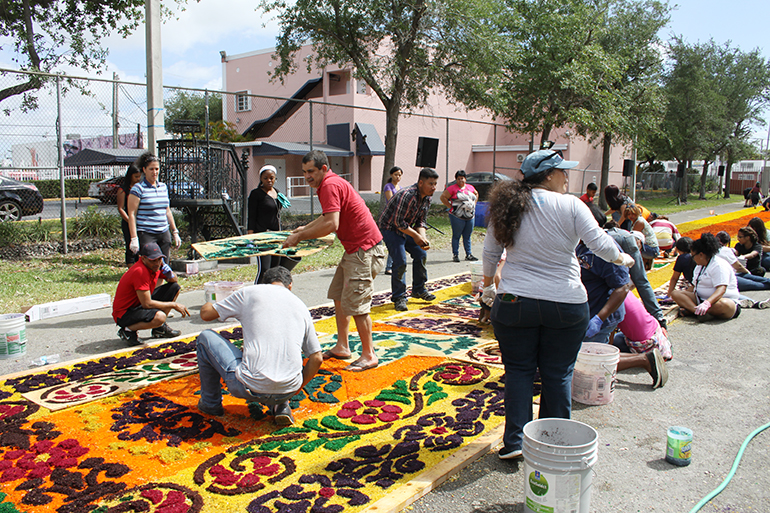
{"points": [[122, 432]]}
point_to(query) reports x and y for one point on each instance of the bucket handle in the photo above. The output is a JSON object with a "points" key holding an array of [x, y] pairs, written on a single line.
{"points": [[584, 461]]}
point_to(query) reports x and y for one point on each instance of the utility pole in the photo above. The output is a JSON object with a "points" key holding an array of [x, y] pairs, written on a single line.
{"points": [[155, 112], [115, 122]]}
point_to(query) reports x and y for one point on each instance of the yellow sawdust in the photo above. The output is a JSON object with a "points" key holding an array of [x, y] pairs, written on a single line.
{"points": [[381, 312], [171, 455]]}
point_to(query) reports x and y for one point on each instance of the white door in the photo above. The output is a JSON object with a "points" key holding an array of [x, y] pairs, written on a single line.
{"points": [[280, 176]]}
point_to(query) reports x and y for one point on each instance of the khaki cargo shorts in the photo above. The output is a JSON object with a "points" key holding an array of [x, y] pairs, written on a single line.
{"points": [[353, 283]]}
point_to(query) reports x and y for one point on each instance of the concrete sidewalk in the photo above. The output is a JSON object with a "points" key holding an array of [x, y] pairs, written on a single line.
{"points": [[83, 335]]}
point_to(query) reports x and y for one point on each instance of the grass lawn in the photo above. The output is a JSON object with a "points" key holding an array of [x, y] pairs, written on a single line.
{"points": [[663, 204], [38, 281]]}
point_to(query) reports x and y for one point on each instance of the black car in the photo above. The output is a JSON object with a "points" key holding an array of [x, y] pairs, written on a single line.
{"points": [[482, 182], [18, 199]]}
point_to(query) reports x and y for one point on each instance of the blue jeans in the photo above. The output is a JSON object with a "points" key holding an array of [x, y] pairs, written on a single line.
{"points": [[766, 261], [398, 247], [534, 334], [462, 227], [747, 281], [218, 358], [638, 274]]}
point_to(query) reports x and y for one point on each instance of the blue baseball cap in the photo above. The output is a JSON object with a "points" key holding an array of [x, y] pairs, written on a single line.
{"points": [[543, 160]]}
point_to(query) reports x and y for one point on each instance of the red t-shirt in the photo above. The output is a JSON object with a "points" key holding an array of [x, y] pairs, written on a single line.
{"points": [[585, 199], [138, 277], [357, 229]]}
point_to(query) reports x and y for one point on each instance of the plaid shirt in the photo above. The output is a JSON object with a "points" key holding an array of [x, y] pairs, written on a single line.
{"points": [[405, 209]]}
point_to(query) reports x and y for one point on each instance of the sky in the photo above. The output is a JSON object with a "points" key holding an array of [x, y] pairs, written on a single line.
{"points": [[192, 42], [193, 39]]}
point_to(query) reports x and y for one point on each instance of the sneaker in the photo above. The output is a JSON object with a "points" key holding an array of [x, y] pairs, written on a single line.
{"points": [[214, 412], [401, 304], [165, 331], [658, 368], [283, 416], [471, 258], [425, 296], [748, 303], [663, 322], [508, 454], [129, 336], [763, 304], [455, 258]]}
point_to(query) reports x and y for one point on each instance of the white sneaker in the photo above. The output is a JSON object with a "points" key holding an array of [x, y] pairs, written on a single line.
{"points": [[747, 303], [763, 304]]}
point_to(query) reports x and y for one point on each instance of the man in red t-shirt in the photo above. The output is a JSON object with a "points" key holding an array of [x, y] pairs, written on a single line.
{"points": [[345, 213], [138, 305]]}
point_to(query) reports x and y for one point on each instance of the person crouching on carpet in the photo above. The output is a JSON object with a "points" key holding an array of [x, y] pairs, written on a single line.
{"points": [[269, 369], [138, 305]]}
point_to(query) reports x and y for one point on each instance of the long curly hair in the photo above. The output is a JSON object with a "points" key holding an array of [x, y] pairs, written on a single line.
{"points": [[509, 200], [759, 228]]}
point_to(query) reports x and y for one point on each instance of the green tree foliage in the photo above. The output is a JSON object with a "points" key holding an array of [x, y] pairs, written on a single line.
{"points": [[714, 95], [545, 68], [393, 45], [45, 34], [191, 105]]}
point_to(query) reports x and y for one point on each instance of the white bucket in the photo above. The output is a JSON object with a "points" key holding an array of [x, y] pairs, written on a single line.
{"points": [[218, 290], [477, 276], [593, 381], [559, 455], [13, 336]]}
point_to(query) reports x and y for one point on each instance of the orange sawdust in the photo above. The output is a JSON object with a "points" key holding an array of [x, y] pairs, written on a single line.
{"points": [[157, 459]]}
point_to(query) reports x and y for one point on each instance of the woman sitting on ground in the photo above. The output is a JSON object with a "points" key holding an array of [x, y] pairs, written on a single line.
{"points": [[759, 227], [748, 247], [684, 265], [715, 288], [638, 223], [642, 342], [666, 233]]}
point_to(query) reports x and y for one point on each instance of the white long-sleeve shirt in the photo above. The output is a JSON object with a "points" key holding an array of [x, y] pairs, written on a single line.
{"points": [[541, 264]]}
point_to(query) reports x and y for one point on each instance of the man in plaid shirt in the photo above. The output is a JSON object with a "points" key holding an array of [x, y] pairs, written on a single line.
{"points": [[402, 224]]}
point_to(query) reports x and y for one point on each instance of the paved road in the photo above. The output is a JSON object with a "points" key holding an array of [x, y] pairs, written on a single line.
{"points": [[52, 208], [719, 387]]}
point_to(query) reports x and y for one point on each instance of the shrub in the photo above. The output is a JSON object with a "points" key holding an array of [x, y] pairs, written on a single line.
{"points": [[93, 223], [73, 187]]}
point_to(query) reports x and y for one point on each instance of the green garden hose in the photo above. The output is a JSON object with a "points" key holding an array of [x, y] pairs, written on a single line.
{"points": [[722, 486]]}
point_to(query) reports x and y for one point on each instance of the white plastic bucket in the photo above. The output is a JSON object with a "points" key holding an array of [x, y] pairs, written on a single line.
{"points": [[218, 290], [559, 455], [13, 336], [593, 381], [477, 276]]}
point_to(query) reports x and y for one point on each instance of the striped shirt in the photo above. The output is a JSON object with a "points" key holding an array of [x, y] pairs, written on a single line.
{"points": [[153, 202]]}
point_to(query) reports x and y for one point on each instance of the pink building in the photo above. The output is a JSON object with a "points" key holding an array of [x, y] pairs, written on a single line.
{"points": [[348, 123]]}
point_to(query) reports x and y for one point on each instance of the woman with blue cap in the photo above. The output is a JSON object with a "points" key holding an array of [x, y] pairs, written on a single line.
{"points": [[540, 309]]}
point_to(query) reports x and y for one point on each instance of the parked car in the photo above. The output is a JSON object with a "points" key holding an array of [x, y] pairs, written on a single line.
{"points": [[18, 199], [483, 182], [190, 190], [106, 191]]}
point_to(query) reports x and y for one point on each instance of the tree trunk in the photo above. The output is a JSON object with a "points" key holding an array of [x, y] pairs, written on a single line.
{"points": [[392, 113], [605, 180], [703, 175], [544, 136], [728, 172]]}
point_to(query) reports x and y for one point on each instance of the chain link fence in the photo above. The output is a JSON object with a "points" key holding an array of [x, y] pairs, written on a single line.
{"points": [[109, 118]]}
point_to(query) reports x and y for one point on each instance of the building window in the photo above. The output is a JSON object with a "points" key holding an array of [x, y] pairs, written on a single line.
{"points": [[242, 101]]}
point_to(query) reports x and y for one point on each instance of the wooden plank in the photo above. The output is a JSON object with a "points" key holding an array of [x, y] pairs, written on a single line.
{"points": [[259, 244], [421, 485]]}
